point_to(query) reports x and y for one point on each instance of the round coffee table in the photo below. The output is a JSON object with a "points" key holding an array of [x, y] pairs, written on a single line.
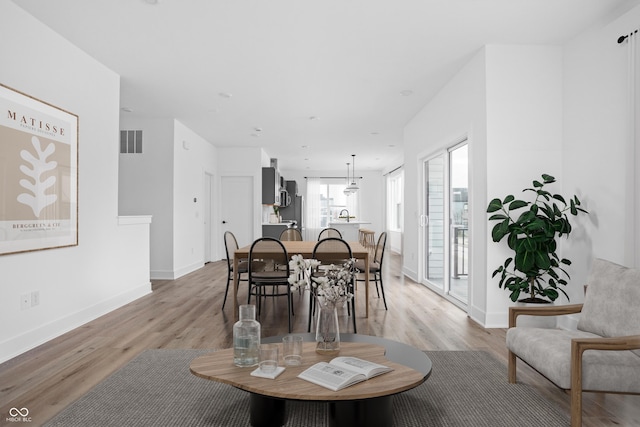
{"points": [[369, 403]]}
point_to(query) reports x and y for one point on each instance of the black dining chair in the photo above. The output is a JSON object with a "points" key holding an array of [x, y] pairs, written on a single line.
{"points": [[291, 234], [375, 267], [230, 246], [336, 251], [269, 281], [329, 232]]}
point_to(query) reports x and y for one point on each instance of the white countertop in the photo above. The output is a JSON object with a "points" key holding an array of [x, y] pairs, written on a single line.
{"points": [[352, 222]]}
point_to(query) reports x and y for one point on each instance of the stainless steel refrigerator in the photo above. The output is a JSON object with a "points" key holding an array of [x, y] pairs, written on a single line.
{"points": [[295, 210]]}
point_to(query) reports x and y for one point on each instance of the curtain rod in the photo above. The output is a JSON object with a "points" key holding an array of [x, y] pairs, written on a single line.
{"points": [[623, 38], [392, 171], [333, 177]]}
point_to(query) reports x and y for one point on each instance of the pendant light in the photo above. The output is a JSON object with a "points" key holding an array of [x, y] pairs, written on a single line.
{"points": [[347, 192], [353, 187]]}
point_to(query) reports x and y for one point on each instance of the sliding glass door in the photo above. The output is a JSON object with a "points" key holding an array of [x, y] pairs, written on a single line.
{"points": [[444, 223]]}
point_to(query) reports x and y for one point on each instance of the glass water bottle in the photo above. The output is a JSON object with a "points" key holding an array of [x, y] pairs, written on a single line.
{"points": [[246, 337]]}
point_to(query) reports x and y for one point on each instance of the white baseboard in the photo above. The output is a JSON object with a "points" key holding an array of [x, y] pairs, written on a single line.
{"points": [[17, 345], [161, 275], [175, 274], [188, 269]]}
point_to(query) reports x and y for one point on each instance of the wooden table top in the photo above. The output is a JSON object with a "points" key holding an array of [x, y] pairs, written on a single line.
{"points": [[305, 248], [218, 366]]}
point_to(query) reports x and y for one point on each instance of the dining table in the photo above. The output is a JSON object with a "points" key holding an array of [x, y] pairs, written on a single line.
{"points": [[304, 248]]}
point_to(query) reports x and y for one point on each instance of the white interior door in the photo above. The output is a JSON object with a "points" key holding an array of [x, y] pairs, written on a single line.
{"points": [[237, 208]]}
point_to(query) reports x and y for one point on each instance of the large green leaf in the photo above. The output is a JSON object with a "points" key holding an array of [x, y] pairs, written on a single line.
{"points": [[517, 204], [494, 205]]}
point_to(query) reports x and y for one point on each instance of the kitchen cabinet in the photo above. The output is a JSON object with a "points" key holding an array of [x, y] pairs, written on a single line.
{"points": [[273, 230], [271, 186]]}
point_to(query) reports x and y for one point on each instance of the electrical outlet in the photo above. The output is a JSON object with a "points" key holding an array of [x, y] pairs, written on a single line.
{"points": [[35, 298], [25, 301]]}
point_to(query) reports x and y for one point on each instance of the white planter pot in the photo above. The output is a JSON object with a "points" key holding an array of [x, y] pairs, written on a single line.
{"points": [[547, 322]]}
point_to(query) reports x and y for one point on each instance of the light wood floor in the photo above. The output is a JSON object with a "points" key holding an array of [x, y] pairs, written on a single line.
{"points": [[186, 313]]}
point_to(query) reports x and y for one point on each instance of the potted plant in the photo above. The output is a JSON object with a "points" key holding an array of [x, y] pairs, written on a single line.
{"points": [[535, 267]]}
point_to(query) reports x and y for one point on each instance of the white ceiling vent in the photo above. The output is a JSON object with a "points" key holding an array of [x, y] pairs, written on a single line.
{"points": [[130, 141]]}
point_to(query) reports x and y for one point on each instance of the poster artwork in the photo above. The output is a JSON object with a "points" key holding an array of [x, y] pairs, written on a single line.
{"points": [[38, 174]]}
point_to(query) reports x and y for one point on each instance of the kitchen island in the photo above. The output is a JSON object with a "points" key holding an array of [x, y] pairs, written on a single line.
{"points": [[349, 230]]}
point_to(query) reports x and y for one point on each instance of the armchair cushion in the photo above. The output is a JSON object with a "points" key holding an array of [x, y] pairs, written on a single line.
{"points": [[612, 300], [548, 351]]}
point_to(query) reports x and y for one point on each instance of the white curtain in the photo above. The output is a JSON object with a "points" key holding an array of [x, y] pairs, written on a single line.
{"points": [[633, 160], [313, 209]]}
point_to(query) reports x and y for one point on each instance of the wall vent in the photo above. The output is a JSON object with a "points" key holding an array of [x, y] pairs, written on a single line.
{"points": [[130, 141]]}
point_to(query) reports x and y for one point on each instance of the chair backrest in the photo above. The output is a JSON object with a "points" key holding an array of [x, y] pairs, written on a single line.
{"points": [[382, 240], [271, 252], [329, 232], [291, 234], [230, 246], [611, 302], [332, 250]]}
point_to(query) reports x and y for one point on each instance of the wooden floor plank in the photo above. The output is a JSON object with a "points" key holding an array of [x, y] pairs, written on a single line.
{"points": [[186, 313]]}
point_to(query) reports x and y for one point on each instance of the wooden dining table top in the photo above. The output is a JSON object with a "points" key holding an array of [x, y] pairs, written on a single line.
{"points": [[304, 248]]}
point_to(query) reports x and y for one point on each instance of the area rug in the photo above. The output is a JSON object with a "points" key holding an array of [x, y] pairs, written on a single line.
{"points": [[466, 388]]}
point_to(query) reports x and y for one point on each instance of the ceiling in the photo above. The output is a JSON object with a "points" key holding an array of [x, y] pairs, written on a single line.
{"points": [[311, 82]]}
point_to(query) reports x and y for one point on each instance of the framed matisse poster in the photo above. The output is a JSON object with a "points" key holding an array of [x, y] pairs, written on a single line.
{"points": [[38, 174]]}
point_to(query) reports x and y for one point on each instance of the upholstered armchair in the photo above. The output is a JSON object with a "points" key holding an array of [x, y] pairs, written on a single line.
{"points": [[602, 355]]}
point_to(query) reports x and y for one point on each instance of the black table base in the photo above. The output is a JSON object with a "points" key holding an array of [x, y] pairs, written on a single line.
{"points": [[376, 412]]}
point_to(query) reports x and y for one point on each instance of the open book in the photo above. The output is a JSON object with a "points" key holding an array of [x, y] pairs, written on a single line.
{"points": [[342, 372]]}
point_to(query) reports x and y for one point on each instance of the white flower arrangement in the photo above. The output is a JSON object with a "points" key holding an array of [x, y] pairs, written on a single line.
{"points": [[332, 288]]}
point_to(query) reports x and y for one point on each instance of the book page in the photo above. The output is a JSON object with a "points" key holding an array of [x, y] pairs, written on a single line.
{"points": [[369, 369], [331, 376]]}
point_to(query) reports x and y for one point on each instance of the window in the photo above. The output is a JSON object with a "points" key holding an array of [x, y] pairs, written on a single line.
{"points": [[325, 200]]}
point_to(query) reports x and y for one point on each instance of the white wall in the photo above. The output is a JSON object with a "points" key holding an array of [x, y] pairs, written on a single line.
{"points": [[163, 181], [457, 111], [245, 161], [524, 140], [507, 102], [110, 266], [145, 187], [190, 165]]}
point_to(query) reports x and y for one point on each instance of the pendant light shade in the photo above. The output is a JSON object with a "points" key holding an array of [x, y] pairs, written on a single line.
{"points": [[353, 187], [347, 192]]}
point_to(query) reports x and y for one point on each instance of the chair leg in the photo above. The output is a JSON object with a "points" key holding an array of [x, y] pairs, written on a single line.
{"points": [[226, 289], [290, 308], [384, 299], [353, 307], [312, 310], [511, 370]]}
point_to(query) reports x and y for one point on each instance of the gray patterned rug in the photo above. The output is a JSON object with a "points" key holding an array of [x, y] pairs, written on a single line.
{"points": [[466, 388]]}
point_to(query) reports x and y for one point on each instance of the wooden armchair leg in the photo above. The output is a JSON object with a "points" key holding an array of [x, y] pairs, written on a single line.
{"points": [[576, 407], [512, 367]]}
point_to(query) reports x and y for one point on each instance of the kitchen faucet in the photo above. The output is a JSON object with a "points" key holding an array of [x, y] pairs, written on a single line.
{"points": [[344, 210]]}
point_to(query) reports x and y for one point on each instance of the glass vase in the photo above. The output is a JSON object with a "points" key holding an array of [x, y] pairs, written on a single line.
{"points": [[327, 329], [246, 337]]}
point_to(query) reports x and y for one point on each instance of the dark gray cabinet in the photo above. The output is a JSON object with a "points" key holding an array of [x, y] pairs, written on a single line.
{"points": [[270, 186]]}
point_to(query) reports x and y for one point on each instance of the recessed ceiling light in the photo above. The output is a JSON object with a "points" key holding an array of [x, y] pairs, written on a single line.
{"points": [[304, 146], [257, 129], [406, 92], [127, 109], [314, 117], [392, 145], [374, 133], [225, 95]]}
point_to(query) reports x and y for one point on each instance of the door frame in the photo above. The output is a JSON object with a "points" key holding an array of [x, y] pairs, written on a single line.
{"points": [[422, 158]]}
